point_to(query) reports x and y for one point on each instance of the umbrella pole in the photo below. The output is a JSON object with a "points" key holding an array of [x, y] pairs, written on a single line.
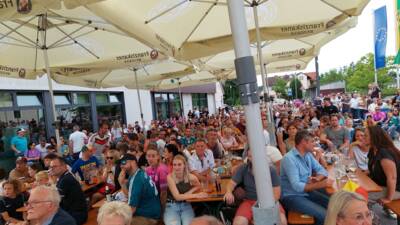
{"points": [[264, 77], [138, 95], [42, 30], [266, 212]]}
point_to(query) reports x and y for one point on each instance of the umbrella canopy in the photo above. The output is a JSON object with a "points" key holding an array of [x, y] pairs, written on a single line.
{"points": [[281, 55], [12, 9], [72, 37], [197, 28]]}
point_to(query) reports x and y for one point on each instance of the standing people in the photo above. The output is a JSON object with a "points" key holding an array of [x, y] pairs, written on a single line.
{"points": [[73, 200], [116, 132], [19, 143], [100, 142], [76, 141]]}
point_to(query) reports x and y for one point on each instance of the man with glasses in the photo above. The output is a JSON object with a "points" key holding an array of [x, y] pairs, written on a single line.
{"points": [[72, 198], [44, 207], [142, 192]]}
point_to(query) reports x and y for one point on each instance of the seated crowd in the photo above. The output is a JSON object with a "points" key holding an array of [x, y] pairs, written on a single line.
{"points": [[156, 170]]}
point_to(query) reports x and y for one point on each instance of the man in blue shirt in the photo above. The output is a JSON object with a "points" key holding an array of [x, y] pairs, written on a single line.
{"points": [[142, 192], [19, 143], [88, 166], [303, 180]]}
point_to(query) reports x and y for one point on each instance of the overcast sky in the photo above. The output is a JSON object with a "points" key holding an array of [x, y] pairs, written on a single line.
{"points": [[356, 42]]}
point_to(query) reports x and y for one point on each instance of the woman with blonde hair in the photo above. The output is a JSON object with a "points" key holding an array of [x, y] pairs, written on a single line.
{"points": [[348, 208], [228, 141], [42, 178], [181, 186]]}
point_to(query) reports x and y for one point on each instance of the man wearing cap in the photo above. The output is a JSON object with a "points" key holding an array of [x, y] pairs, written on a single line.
{"points": [[142, 193], [20, 172], [19, 143], [87, 166]]}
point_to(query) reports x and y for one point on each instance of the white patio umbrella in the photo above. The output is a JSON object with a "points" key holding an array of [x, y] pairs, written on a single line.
{"points": [[190, 29], [15, 9], [31, 45]]}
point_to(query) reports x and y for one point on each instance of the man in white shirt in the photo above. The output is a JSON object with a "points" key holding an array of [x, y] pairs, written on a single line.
{"points": [[76, 141], [42, 147], [202, 160], [354, 106]]}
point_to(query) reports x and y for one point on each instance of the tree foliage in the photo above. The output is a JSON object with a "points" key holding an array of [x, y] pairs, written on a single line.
{"points": [[296, 84], [358, 75], [231, 93], [280, 88]]}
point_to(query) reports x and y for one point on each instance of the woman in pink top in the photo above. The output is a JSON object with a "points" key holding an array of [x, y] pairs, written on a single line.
{"points": [[378, 115], [158, 173]]}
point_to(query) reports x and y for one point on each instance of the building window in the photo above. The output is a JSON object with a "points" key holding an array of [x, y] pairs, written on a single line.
{"points": [[109, 113], [101, 99], [114, 99], [80, 98], [6, 99], [28, 100], [174, 105], [61, 100], [199, 101], [69, 116]]}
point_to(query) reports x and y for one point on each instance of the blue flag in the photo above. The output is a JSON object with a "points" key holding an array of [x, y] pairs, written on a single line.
{"points": [[380, 36]]}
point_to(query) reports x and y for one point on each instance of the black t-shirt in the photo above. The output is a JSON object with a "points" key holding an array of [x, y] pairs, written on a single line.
{"points": [[11, 205], [375, 168], [328, 110], [375, 92], [72, 197]]}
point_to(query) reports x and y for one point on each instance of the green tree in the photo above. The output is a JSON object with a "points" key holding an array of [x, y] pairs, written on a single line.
{"points": [[332, 76], [360, 74], [295, 83], [280, 88], [231, 93]]}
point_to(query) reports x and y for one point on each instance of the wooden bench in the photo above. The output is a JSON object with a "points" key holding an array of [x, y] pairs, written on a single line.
{"points": [[395, 207], [298, 218]]}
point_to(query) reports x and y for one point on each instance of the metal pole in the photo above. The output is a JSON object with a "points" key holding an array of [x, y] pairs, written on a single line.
{"points": [[263, 69], [138, 94], [267, 210], [397, 77], [42, 30], [259, 52], [317, 76], [295, 84], [180, 98]]}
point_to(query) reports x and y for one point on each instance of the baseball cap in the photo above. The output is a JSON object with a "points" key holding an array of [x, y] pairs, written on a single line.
{"points": [[21, 130], [21, 160], [127, 157]]}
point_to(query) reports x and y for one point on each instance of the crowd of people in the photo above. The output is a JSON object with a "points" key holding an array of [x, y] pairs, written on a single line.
{"points": [[154, 170]]}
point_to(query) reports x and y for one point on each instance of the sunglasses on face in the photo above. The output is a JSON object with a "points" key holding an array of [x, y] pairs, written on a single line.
{"points": [[109, 157]]}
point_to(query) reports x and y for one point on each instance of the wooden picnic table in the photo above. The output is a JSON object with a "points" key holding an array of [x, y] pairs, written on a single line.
{"points": [[87, 187], [361, 179], [213, 196], [99, 203]]}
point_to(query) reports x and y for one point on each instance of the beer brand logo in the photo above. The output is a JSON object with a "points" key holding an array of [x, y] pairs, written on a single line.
{"points": [[298, 66], [22, 73], [24, 6], [302, 51], [154, 54]]}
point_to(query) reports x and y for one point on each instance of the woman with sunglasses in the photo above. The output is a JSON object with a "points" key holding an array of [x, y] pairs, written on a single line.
{"points": [[107, 176]]}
